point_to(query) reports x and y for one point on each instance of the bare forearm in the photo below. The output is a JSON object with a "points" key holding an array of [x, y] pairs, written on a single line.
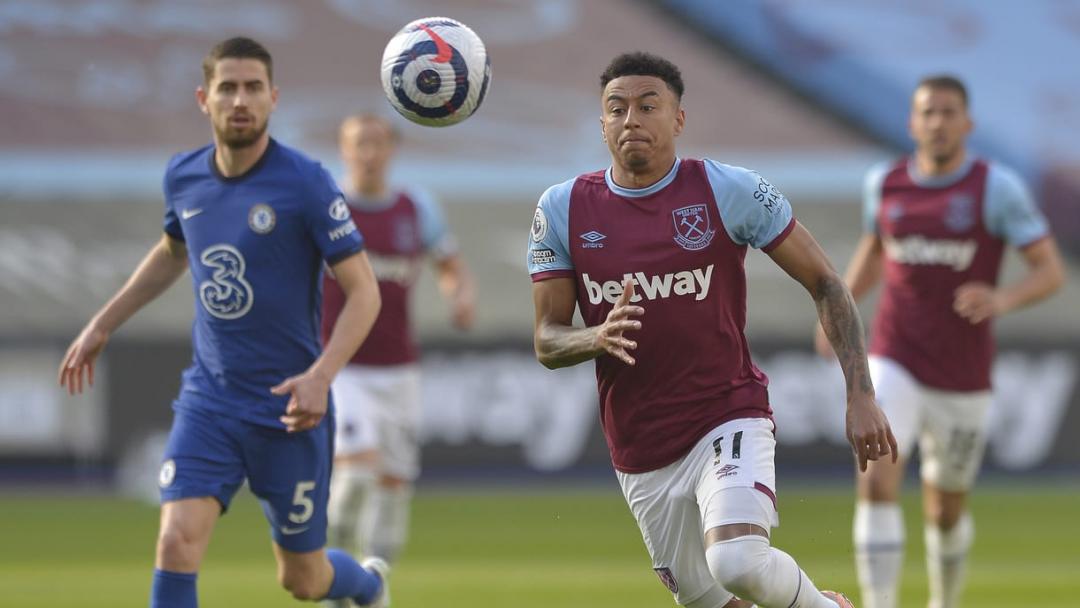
{"points": [[1037, 285], [352, 327], [864, 272], [563, 346], [840, 319], [157, 271]]}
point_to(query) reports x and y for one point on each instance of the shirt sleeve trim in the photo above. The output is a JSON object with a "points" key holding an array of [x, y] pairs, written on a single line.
{"points": [[342, 255], [780, 237], [552, 274]]}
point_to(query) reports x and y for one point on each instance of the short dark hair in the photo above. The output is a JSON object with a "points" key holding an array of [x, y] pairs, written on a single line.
{"points": [[945, 82], [239, 47], [644, 64]]}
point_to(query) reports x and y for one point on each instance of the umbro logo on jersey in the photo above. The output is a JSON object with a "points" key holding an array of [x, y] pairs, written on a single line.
{"points": [[592, 240], [187, 214], [727, 471], [650, 287]]}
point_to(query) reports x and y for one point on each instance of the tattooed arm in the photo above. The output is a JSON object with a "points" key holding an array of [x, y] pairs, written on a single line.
{"points": [[803, 259]]}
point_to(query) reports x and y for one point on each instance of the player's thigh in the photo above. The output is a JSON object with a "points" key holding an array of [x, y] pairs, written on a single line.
{"points": [[953, 439], [736, 475], [397, 419], [900, 397], [290, 473], [902, 400], [662, 502], [355, 432], [203, 458]]}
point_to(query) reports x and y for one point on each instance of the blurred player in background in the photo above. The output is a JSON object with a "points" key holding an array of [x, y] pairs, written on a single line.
{"points": [[651, 251], [254, 221], [378, 393], [936, 225]]}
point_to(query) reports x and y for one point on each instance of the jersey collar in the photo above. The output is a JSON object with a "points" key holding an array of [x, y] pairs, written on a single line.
{"points": [[940, 181], [647, 190], [259, 163]]}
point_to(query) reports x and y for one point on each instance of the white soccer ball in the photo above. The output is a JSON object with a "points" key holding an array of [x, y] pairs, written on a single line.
{"points": [[435, 71]]}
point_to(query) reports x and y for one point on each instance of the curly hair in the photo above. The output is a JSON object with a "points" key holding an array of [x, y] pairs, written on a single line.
{"points": [[644, 64]]}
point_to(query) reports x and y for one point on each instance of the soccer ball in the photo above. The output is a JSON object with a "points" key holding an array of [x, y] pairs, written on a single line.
{"points": [[435, 71]]}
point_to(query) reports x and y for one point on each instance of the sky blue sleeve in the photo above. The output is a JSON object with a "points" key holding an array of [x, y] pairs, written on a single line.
{"points": [[328, 219], [871, 200], [1010, 211], [549, 238], [434, 232], [753, 211], [171, 223]]}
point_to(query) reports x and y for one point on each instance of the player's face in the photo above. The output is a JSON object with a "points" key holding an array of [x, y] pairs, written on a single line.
{"points": [[367, 147], [939, 123], [238, 100], [640, 121]]}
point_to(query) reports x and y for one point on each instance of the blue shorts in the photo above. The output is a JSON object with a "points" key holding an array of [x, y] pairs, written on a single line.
{"points": [[209, 454]]}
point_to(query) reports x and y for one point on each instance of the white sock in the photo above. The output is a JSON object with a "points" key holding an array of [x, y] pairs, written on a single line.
{"points": [[386, 521], [946, 560], [879, 552], [350, 485], [748, 567]]}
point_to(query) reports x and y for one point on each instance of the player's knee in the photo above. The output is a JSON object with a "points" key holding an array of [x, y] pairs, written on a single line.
{"points": [[943, 517], [177, 550], [739, 564]]}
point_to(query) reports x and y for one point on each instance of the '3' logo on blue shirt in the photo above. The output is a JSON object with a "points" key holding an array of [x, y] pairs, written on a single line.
{"points": [[227, 294]]}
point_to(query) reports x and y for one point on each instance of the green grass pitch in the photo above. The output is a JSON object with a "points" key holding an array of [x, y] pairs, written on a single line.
{"points": [[522, 548]]}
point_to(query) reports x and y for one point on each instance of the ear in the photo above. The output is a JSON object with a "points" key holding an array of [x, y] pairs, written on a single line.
{"points": [[680, 121], [273, 98], [200, 98], [603, 132]]}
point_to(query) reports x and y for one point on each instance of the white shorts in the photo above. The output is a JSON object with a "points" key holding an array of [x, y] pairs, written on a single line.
{"points": [[951, 426], [728, 477], [378, 408]]}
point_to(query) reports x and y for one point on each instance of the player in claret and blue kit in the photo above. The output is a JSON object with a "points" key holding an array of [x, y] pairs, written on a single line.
{"points": [[937, 224], [651, 253], [254, 221]]}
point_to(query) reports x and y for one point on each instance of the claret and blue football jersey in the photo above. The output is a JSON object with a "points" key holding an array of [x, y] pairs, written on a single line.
{"points": [[256, 243], [682, 242]]}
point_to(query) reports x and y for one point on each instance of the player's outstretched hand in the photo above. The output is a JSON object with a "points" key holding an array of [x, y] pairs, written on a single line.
{"points": [[975, 302], [609, 335], [868, 431], [80, 358], [307, 404]]}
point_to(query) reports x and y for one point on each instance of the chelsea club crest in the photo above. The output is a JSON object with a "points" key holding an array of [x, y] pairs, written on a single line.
{"points": [[261, 218]]}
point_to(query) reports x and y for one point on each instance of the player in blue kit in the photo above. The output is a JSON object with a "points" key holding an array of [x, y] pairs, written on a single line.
{"points": [[254, 221]]}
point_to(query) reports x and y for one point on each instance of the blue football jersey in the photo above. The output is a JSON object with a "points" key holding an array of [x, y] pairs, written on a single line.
{"points": [[256, 245]]}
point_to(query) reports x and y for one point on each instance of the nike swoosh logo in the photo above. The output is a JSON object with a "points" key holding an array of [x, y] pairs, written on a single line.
{"points": [[187, 214], [445, 52], [287, 531]]}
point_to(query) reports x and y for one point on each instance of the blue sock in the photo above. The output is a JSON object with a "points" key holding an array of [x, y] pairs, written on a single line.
{"points": [[351, 580], [173, 590]]}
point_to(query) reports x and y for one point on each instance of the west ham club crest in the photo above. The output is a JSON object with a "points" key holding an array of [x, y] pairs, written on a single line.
{"points": [[692, 227], [960, 216]]}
